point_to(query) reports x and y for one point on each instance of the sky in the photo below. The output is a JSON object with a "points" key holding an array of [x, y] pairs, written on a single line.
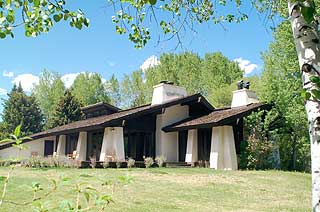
{"points": [[98, 48]]}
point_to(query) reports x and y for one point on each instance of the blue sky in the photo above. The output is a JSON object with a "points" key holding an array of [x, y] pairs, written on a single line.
{"points": [[99, 49]]}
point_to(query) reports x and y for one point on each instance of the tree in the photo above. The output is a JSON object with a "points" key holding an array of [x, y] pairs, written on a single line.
{"points": [[48, 93], [36, 17], [21, 109], [306, 37], [113, 88], [67, 110], [89, 88], [281, 84]]}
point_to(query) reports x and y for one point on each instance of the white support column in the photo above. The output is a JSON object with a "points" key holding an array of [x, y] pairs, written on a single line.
{"points": [[82, 147], [216, 154], [192, 146], [61, 149], [223, 151], [113, 144], [230, 155], [119, 143]]}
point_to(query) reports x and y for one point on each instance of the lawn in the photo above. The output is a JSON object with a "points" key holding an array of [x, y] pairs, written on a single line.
{"points": [[170, 189]]}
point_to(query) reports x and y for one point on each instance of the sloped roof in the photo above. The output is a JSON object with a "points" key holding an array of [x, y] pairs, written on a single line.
{"points": [[218, 117], [112, 119], [100, 105]]}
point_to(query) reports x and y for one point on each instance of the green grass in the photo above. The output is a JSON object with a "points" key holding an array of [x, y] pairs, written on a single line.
{"points": [[169, 189]]}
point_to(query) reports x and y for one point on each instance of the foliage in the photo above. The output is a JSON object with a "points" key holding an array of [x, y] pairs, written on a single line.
{"points": [[20, 109], [48, 93], [214, 76], [118, 164], [281, 84], [50, 162], [68, 110], [171, 17], [89, 88], [36, 16], [260, 146], [160, 160], [113, 88], [148, 162], [130, 163]]}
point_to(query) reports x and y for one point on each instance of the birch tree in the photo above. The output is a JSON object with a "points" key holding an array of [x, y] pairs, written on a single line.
{"points": [[306, 37]]}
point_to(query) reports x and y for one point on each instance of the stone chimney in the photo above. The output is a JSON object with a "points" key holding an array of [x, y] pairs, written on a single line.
{"points": [[243, 96], [166, 91]]}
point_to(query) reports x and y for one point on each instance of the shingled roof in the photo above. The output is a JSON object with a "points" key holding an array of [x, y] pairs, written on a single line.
{"points": [[218, 117], [115, 118]]}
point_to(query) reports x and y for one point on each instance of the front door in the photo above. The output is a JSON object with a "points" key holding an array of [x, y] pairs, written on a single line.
{"points": [[48, 147]]}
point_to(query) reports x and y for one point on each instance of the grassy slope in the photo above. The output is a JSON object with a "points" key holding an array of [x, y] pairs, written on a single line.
{"points": [[174, 189]]}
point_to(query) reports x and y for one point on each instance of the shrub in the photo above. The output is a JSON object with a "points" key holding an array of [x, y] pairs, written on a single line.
{"points": [[118, 164], [130, 163], [160, 160], [148, 162], [52, 162], [93, 162], [105, 164]]}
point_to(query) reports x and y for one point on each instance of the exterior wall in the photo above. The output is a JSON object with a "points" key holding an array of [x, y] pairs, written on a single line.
{"points": [[113, 144], [223, 150], [192, 146], [35, 147], [243, 97], [167, 143], [82, 146]]}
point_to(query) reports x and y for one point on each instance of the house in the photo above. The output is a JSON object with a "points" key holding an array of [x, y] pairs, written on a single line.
{"points": [[181, 127]]}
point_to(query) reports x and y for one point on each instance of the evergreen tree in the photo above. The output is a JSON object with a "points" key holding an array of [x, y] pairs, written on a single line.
{"points": [[21, 109], [67, 110]]}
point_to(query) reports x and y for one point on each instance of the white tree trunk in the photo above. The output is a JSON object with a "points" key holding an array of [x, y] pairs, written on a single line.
{"points": [[306, 38]]}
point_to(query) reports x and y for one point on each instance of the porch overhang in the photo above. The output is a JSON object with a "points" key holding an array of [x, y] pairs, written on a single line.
{"points": [[219, 117]]}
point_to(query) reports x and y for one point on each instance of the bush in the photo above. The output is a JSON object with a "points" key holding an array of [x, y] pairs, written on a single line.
{"points": [[160, 160], [50, 162], [130, 163], [118, 164], [93, 162], [105, 164], [148, 162]]}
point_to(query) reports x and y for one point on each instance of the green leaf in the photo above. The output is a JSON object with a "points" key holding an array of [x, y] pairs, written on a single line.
{"points": [[316, 94], [152, 2], [308, 11], [57, 17], [87, 196], [6, 140], [17, 131], [2, 35]]}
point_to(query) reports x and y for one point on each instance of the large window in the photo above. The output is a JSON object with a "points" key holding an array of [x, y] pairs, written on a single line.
{"points": [[204, 144], [71, 143], [139, 145], [94, 144]]}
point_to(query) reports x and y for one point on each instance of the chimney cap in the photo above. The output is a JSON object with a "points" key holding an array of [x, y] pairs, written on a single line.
{"points": [[166, 82]]}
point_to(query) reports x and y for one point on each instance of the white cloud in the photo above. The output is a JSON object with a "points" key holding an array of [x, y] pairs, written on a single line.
{"points": [[27, 81], [152, 61], [246, 65], [111, 64], [68, 79], [3, 92], [6, 73]]}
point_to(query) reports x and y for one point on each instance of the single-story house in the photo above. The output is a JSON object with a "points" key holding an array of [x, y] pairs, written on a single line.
{"points": [[181, 127]]}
